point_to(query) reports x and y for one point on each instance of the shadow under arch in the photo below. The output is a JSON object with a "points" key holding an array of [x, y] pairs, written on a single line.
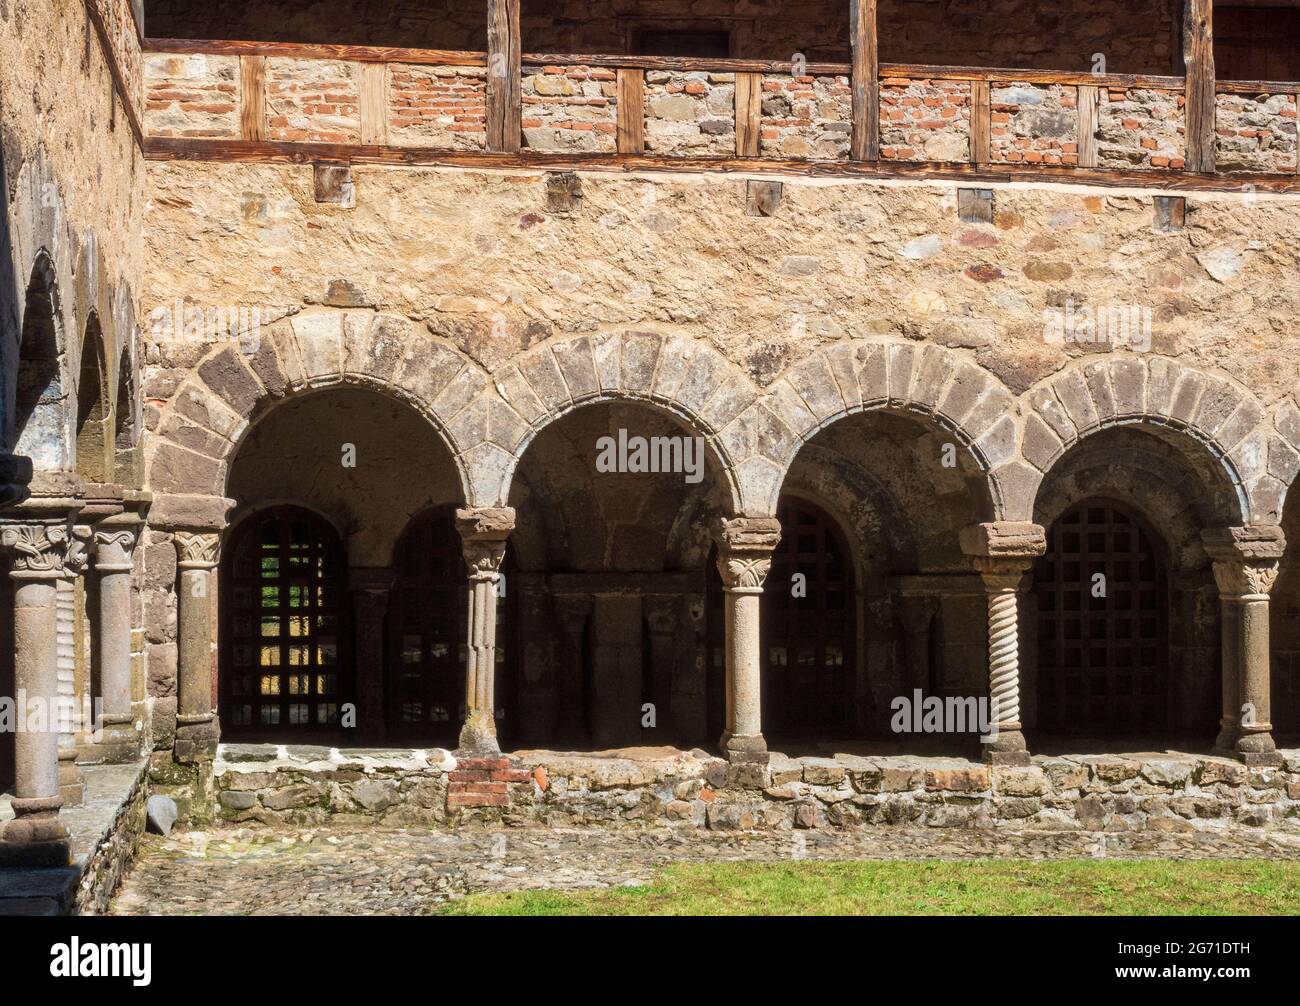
{"points": [[41, 424]]}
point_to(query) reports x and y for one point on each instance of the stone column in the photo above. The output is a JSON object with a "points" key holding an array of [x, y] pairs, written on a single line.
{"points": [[115, 539], [38, 554], [196, 724], [483, 532], [1245, 568], [745, 546], [371, 588], [1003, 553]]}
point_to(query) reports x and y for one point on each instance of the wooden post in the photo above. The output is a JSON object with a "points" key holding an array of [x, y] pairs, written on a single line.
{"points": [[749, 114], [1198, 60], [981, 123], [374, 104], [504, 82], [252, 97], [631, 111], [866, 81], [1088, 98]]}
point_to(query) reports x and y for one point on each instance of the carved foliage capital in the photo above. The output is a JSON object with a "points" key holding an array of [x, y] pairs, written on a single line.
{"points": [[113, 547], [483, 532], [39, 548], [1245, 578], [745, 546], [197, 550]]}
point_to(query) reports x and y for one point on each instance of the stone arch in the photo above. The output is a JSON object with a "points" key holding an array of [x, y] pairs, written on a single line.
{"points": [[94, 413], [40, 421], [1211, 421], [933, 382], [237, 383], [687, 379]]}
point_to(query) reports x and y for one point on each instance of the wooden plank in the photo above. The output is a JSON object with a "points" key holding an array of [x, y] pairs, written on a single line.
{"points": [[981, 123], [504, 81], [1117, 80], [749, 114], [716, 64], [631, 111], [252, 97], [374, 103], [172, 149], [865, 81], [1198, 58], [348, 53], [1254, 87], [128, 100], [1089, 101]]}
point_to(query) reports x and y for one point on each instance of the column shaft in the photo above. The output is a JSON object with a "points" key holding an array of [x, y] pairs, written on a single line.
{"points": [[196, 730], [483, 531], [113, 548]]}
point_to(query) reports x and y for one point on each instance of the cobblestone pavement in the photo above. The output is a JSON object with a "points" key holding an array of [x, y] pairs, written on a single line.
{"points": [[372, 872]]}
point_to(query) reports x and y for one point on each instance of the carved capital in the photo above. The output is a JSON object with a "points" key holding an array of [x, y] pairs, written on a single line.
{"points": [[37, 550], [197, 550], [1242, 579], [1003, 551], [483, 533], [113, 548], [745, 546]]}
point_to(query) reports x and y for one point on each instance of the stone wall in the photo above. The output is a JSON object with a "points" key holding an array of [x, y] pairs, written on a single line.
{"points": [[570, 108], [1255, 133], [312, 100], [808, 117], [690, 114], [924, 120], [196, 96], [1141, 128], [653, 787], [1034, 123], [1135, 38], [437, 106]]}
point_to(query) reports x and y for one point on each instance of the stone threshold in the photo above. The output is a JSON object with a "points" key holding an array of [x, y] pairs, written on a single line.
{"points": [[1154, 790], [103, 832]]}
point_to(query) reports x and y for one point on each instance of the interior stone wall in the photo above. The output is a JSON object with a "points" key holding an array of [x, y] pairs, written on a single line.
{"points": [[1134, 37]]}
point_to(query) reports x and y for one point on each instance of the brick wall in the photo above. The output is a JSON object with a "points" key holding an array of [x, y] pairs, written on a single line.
{"points": [[1255, 133], [690, 113], [195, 96], [1140, 128], [1034, 124], [570, 108], [807, 117], [437, 106], [925, 120], [312, 100]]}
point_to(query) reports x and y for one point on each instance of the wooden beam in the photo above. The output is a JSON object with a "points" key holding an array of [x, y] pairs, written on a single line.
{"points": [[252, 97], [504, 79], [1198, 59], [1089, 100], [981, 123], [129, 101], [866, 81], [374, 103], [749, 114], [631, 111], [295, 50], [186, 149]]}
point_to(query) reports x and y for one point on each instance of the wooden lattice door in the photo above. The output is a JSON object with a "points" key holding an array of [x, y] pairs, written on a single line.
{"points": [[286, 667], [1103, 654]]}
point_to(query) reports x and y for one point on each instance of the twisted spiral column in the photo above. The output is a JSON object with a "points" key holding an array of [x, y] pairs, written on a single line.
{"points": [[1004, 657]]}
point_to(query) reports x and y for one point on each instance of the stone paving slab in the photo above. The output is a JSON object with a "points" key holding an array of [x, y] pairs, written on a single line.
{"points": [[260, 871]]}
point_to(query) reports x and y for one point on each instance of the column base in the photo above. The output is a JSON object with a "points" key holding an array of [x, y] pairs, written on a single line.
{"points": [[1258, 750], [34, 855], [118, 743], [35, 837], [478, 736], [72, 781], [1008, 748], [196, 739]]}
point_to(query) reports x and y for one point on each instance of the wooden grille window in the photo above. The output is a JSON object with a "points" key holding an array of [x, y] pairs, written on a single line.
{"points": [[286, 667], [1102, 660], [427, 633]]}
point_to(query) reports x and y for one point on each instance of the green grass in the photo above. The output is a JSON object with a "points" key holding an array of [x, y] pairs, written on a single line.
{"points": [[983, 887]]}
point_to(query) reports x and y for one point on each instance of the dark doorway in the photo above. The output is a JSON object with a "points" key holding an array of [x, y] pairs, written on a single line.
{"points": [[1103, 654], [1256, 43], [286, 667]]}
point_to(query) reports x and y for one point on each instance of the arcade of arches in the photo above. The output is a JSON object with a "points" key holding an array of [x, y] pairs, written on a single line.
{"points": [[622, 609]]}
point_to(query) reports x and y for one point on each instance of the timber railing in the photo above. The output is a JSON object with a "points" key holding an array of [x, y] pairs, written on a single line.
{"points": [[274, 101]]}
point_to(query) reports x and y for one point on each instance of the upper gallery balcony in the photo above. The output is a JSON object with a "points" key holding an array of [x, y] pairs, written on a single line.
{"points": [[1086, 91]]}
